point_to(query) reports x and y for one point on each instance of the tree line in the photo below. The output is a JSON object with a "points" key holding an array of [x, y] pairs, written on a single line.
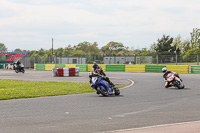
{"points": [[165, 45]]}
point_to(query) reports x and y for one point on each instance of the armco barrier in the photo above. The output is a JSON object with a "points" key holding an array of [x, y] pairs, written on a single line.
{"points": [[59, 65], [83, 67], [178, 68], [115, 68], [123, 68], [134, 68], [195, 69], [70, 65], [40, 67], [154, 68], [103, 66], [90, 67], [49, 67]]}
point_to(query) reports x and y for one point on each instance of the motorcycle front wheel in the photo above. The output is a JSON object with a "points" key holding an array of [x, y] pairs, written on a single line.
{"points": [[180, 85], [102, 91]]}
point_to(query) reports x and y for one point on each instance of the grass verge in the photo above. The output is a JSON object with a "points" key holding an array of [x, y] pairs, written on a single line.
{"points": [[13, 89]]}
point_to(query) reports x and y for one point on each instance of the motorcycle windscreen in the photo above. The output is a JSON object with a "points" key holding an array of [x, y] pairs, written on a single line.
{"points": [[94, 79]]}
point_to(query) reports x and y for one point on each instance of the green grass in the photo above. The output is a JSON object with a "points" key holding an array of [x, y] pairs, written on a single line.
{"points": [[13, 89]]}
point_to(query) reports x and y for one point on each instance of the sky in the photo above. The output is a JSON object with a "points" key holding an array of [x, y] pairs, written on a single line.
{"points": [[31, 24]]}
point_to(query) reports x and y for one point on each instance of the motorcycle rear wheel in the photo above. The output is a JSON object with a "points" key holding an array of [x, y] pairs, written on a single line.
{"points": [[117, 91], [23, 71], [180, 86]]}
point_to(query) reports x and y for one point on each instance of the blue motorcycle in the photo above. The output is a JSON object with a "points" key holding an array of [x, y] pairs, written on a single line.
{"points": [[102, 87]]}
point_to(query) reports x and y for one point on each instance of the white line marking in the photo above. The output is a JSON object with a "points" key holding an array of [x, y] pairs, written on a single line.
{"points": [[109, 118], [155, 126], [132, 83]]}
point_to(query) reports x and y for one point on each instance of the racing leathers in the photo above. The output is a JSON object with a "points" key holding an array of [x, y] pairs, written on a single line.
{"points": [[165, 76], [100, 71], [18, 63], [102, 77], [95, 67]]}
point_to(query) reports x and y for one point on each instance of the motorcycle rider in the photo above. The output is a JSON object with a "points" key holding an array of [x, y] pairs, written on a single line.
{"points": [[100, 71], [94, 66], [18, 63], [165, 76], [94, 74]]}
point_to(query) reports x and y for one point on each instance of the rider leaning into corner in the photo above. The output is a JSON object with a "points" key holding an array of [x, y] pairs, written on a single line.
{"points": [[97, 71], [165, 76], [18, 63]]}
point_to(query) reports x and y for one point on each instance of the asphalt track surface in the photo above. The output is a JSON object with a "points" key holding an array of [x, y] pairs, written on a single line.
{"points": [[145, 104]]}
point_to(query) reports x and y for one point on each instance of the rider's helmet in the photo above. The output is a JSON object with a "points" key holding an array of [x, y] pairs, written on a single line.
{"points": [[164, 69], [95, 63]]}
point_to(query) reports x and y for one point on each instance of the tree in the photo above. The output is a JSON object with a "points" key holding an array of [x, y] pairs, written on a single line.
{"points": [[163, 46], [153, 47], [144, 52], [121, 53], [83, 46], [68, 50], [182, 46], [41, 51], [190, 55], [3, 47], [17, 50], [115, 46], [93, 49], [185, 46], [105, 50], [177, 42], [59, 52], [78, 53], [195, 39], [112, 48]]}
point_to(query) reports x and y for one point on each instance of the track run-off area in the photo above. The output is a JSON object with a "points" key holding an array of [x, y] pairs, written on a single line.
{"points": [[144, 105]]}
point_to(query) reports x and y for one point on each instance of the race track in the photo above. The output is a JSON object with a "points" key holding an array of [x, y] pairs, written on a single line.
{"points": [[146, 103]]}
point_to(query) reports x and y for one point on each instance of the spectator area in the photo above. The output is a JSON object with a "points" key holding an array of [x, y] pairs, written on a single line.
{"points": [[17, 56], [12, 56], [7, 54]]}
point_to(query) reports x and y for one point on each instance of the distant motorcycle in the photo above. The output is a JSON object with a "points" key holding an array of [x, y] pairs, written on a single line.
{"points": [[175, 81], [19, 68], [102, 87]]}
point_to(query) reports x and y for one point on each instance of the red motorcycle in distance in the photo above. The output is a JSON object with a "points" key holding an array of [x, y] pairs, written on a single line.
{"points": [[175, 81]]}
